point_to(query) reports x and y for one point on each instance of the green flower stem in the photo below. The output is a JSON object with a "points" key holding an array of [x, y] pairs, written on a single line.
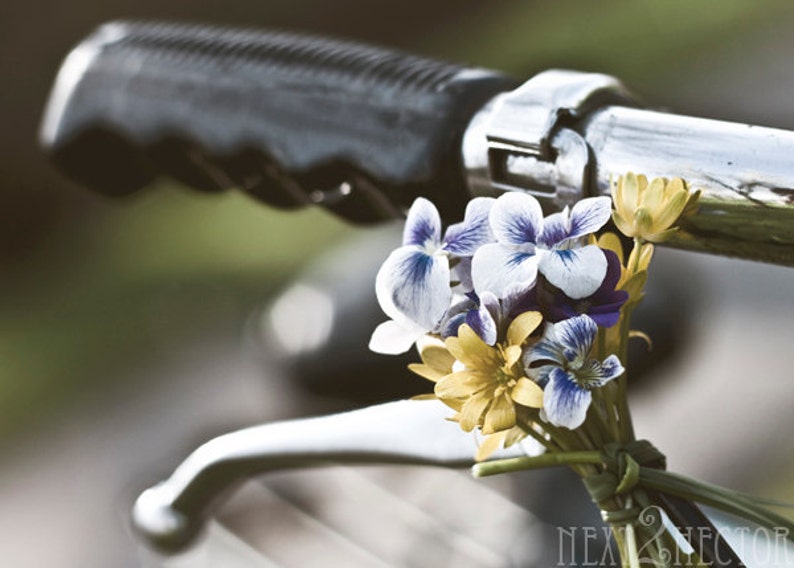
{"points": [[538, 462], [625, 422], [601, 344], [609, 392], [617, 534], [569, 441], [530, 431], [585, 438], [631, 547], [733, 502], [566, 439], [638, 243], [596, 423]]}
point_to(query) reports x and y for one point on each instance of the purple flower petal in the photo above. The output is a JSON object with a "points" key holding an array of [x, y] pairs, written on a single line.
{"points": [[589, 215], [611, 368], [556, 230], [517, 300], [423, 225], [491, 303], [483, 324], [414, 285], [577, 272], [516, 219], [463, 239], [564, 401], [496, 268], [607, 315], [449, 327], [613, 271], [545, 350], [576, 336], [456, 315], [556, 311]]}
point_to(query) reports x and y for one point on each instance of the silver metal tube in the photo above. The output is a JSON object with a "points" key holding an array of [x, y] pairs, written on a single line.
{"points": [[746, 174], [563, 135]]}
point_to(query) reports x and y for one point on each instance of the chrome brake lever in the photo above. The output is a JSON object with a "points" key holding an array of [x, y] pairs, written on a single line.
{"points": [[171, 515]]}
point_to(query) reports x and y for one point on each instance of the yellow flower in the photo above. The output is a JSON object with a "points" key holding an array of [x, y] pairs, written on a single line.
{"points": [[649, 211], [492, 379]]}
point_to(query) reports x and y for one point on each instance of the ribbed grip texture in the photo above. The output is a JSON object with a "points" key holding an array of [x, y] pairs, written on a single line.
{"points": [[291, 119]]}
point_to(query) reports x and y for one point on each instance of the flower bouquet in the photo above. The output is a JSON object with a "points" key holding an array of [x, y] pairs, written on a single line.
{"points": [[523, 321]]}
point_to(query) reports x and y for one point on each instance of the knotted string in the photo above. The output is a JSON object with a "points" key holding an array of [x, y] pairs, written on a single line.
{"points": [[638, 465], [621, 474]]}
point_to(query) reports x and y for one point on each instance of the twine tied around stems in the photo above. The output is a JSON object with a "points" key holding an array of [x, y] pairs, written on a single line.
{"points": [[621, 474], [638, 465]]}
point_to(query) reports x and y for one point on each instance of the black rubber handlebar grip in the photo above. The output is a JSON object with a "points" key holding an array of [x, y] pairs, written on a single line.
{"points": [[291, 119]]}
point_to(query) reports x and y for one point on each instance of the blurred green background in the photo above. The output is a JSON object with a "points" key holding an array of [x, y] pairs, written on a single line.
{"points": [[93, 289]]}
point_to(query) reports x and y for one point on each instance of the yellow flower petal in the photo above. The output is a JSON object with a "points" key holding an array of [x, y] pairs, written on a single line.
{"points": [[626, 195], [527, 393], [513, 436], [624, 225], [662, 236], [610, 241], [653, 197], [634, 285], [642, 183], [455, 404], [489, 445], [674, 186], [437, 357], [457, 385], [629, 193], [454, 347], [521, 327], [501, 415], [473, 351], [673, 208], [424, 397], [512, 355], [472, 411], [426, 372]]}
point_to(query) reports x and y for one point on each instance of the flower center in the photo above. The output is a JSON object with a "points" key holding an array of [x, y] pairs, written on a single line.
{"points": [[582, 306], [505, 378]]}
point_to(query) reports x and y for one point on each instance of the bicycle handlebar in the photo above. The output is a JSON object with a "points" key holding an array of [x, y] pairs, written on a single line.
{"points": [[363, 131], [291, 119]]}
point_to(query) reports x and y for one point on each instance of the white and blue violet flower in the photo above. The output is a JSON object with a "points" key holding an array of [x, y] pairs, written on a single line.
{"points": [[414, 285], [566, 371], [556, 246]]}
